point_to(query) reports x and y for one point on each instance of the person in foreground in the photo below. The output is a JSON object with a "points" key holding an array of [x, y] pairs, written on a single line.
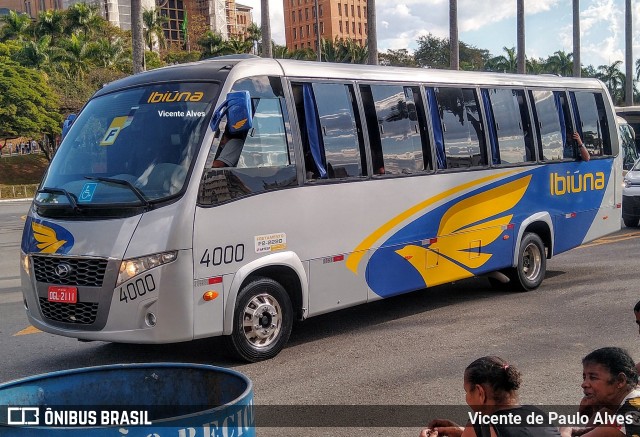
{"points": [[491, 386], [611, 397]]}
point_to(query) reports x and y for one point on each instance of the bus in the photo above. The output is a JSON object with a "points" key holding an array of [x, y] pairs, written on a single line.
{"points": [[353, 184]]}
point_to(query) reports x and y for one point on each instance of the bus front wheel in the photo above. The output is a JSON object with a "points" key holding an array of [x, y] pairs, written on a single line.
{"points": [[532, 263], [262, 320]]}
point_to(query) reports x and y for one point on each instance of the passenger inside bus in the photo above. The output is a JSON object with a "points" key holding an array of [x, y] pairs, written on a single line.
{"points": [[229, 150]]}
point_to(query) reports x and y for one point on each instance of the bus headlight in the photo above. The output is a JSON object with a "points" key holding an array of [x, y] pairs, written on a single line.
{"points": [[626, 183], [134, 266], [24, 262]]}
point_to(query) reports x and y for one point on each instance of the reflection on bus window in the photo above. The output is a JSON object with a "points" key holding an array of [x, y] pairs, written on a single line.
{"points": [[591, 121], [394, 131], [462, 127], [514, 142], [549, 130]]}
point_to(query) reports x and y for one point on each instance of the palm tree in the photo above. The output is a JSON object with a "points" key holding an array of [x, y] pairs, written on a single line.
{"points": [[153, 23], [253, 34], [137, 36], [628, 87], [212, 45], [14, 26], [637, 69], [560, 63], [577, 67], [613, 78], [35, 54], [83, 17], [76, 58], [504, 64], [237, 45], [267, 49], [50, 23], [535, 66], [372, 32], [454, 43], [108, 52], [522, 65]]}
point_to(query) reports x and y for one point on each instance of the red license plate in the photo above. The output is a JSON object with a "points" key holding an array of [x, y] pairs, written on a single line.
{"points": [[63, 294]]}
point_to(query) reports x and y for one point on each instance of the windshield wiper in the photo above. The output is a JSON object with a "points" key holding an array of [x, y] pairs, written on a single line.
{"points": [[139, 194], [68, 195]]}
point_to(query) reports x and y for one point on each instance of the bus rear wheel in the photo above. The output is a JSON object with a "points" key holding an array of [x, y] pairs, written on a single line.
{"points": [[262, 320], [532, 263]]}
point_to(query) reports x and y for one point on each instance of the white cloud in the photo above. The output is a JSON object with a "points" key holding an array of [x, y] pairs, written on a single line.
{"points": [[401, 24]]}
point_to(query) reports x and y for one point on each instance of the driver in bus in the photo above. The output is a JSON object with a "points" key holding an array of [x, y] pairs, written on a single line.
{"points": [[229, 150]]}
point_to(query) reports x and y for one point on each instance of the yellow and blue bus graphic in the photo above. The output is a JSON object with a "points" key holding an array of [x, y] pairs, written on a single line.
{"points": [[42, 236], [475, 231]]}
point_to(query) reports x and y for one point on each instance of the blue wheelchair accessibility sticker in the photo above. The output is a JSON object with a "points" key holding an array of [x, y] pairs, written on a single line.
{"points": [[88, 189]]}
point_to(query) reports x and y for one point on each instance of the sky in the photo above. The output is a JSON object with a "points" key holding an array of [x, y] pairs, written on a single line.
{"points": [[491, 25]]}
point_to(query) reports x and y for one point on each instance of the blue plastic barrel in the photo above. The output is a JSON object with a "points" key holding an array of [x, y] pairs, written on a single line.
{"points": [[132, 400]]}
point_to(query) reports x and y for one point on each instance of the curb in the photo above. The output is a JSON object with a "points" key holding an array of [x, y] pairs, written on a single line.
{"points": [[16, 200]]}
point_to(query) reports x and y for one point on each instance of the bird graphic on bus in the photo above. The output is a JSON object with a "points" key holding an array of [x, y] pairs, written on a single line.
{"points": [[46, 237], [465, 230]]}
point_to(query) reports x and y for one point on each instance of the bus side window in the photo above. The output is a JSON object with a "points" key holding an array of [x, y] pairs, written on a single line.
{"points": [[509, 130], [591, 122], [330, 129], [393, 128], [547, 119], [463, 133]]}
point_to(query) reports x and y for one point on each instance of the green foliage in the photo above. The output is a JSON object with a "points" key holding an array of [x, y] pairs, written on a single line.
{"points": [[28, 106], [433, 52], [181, 57], [153, 23]]}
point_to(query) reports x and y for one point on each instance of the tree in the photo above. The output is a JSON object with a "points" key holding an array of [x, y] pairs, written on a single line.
{"points": [[212, 45], [372, 32], [502, 63], [37, 54], [628, 42], [75, 60], [153, 23], [137, 37], [84, 18], [613, 78], [454, 44], [397, 58], [535, 66], [577, 68], [50, 23], [560, 63], [237, 45], [267, 51], [28, 106], [254, 33], [433, 52], [14, 26], [521, 64], [108, 52]]}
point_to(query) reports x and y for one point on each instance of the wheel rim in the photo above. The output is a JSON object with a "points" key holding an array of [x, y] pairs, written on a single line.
{"points": [[262, 320], [531, 262]]}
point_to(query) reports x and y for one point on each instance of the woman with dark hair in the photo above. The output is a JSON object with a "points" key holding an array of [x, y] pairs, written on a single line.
{"points": [[491, 386], [611, 396]]}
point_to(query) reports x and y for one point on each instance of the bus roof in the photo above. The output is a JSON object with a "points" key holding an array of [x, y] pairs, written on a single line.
{"points": [[249, 65]]}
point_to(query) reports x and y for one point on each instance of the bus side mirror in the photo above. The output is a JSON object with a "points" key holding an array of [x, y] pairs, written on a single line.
{"points": [[239, 114], [66, 125]]}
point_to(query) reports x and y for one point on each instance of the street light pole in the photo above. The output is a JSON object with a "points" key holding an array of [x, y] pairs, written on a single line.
{"points": [[319, 49]]}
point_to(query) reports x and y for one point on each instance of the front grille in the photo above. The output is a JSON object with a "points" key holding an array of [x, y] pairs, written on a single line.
{"points": [[83, 313], [82, 271]]}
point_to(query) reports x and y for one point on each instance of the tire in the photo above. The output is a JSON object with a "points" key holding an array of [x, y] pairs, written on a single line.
{"points": [[629, 221], [262, 320], [532, 263]]}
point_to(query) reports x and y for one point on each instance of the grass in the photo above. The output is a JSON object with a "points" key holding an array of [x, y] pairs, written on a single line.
{"points": [[19, 173]]}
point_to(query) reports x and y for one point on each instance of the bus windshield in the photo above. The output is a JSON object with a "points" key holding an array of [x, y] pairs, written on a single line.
{"points": [[129, 148]]}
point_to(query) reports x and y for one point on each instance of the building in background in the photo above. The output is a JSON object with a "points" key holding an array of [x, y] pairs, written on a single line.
{"points": [[30, 7], [223, 16], [342, 19]]}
